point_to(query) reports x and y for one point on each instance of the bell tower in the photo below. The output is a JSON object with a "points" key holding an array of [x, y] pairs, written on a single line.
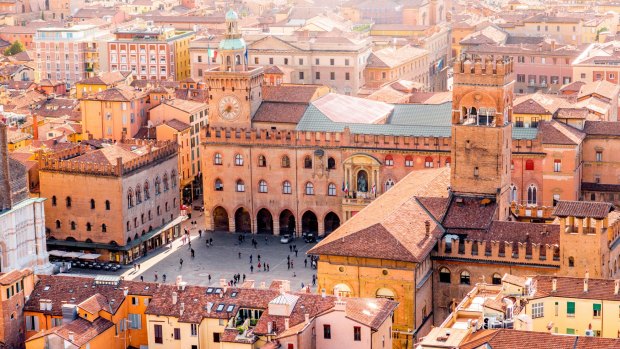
{"points": [[482, 128], [234, 86]]}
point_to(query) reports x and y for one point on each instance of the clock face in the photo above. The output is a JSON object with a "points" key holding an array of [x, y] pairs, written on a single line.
{"points": [[229, 107]]}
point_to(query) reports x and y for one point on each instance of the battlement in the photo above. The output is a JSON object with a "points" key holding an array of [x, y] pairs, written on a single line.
{"points": [[69, 161], [500, 251], [478, 70], [270, 137]]}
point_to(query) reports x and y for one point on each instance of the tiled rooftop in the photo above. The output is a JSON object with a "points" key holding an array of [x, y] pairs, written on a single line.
{"points": [[598, 210]]}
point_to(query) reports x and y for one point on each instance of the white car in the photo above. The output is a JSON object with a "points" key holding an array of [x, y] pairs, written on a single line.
{"points": [[285, 239]]}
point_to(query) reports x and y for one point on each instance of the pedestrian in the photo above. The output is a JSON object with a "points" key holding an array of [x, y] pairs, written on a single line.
{"points": [[291, 264], [138, 266], [258, 256], [164, 278], [239, 254], [181, 262], [302, 285], [192, 251], [211, 241], [243, 277], [251, 269], [258, 266], [294, 275], [267, 266], [141, 278], [294, 247], [288, 258], [313, 280], [264, 266], [155, 276], [288, 265], [207, 241], [135, 267], [266, 240], [189, 245], [209, 278], [290, 248], [250, 259], [305, 262], [295, 253], [199, 233]]}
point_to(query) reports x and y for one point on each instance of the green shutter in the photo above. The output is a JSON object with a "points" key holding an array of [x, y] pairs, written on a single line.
{"points": [[597, 307], [570, 330], [570, 307]]}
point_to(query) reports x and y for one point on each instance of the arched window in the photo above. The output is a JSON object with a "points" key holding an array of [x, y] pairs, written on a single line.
{"points": [[104, 228], [174, 203], [89, 226], [158, 210], [385, 293], [262, 161], [428, 162], [68, 201], [286, 162], [166, 208], [73, 225], [331, 189], [262, 186], [57, 224], [240, 186], [307, 162], [217, 159], [173, 178], [92, 204], [465, 280], [513, 193], [130, 198], [444, 275], [219, 186], [238, 160], [531, 195], [496, 279], [107, 205], [408, 161], [147, 192], [474, 248], [389, 160], [389, 184], [309, 188], [448, 161], [286, 187], [529, 165], [128, 226], [571, 261], [157, 186], [331, 164], [54, 200], [166, 182], [138, 194]]}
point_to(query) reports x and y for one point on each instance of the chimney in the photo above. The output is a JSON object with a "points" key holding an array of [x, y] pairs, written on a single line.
{"points": [[427, 225], [179, 279], [126, 291], [35, 126], [616, 286], [307, 317], [182, 308], [554, 285], [209, 307], [270, 327], [286, 323], [71, 337], [585, 285], [175, 297], [262, 285], [323, 293]]}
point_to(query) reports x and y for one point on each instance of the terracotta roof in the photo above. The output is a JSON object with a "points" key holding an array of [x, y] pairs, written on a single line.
{"points": [[391, 57], [571, 113], [11, 277], [290, 93], [196, 95], [118, 94], [371, 312], [469, 212], [96, 303], [83, 331], [602, 87], [177, 124], [538, 103], [514, 279], [517, 232], [574, 86], [146, 133], [106, 78], [184, 105], [277, 112], [510, 339], [572, 287], [272, 69], [396, 227], [581, 209], [553, 132], [587, 186], [602, 128]]}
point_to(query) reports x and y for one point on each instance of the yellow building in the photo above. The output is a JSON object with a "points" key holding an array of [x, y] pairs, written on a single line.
{"points": [[174, 129], [182, 62], [101, 82], [18, 139]]}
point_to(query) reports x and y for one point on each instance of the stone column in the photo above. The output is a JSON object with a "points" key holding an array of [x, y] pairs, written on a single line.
{"points": [[321, 227], [253, 224], [276, 226], [231, 224]]}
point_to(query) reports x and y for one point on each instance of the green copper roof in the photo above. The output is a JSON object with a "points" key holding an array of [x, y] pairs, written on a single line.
{"points": [[231, 15], [524, 132], [232, 44]]}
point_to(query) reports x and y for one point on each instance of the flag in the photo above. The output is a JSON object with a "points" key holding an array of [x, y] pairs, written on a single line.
{"points": [[342, 185], [346, 188], [247, 59], [374, 189]]}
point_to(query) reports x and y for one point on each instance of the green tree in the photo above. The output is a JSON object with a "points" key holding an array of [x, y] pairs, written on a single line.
{"points": [[15, 48]]}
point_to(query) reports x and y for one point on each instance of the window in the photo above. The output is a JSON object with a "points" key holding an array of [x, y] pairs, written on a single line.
{"points": [[599, 156], [513, 193], [107, 205], [54, 200], [157, 186], [262, 186], [428, 162], [332, 76], [285, 61], [194, 330], [301, 75], [520, 77], [570, 331], [104, 228], [529, 165], [309, 188], [465, 279], [217, 159], [571, 262], [73, 225], [408, 161], [596, 310], [92, 204], [389, 160], [159, 337], [389, 184], [444, 275], [327, 331], [531, 195], [537, 310], [570, 309], [57, 224], [219, 186], [89, 227], [135, 321], [286, 162], [332, 61], [238, 160], [317, 75], [68, 201], [307, 162], [32, 323], [496, 279], [262, 161], [270, 60], [216, 337], [177, 334], [331, 164], [286, 187], [240, 186], [331, 189], [130, 202], [357, 333], [557, 165]]}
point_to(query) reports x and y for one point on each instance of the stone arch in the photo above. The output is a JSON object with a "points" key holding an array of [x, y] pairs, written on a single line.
{"points": [[475, 99], [342, 290], [220, 218], [243, 221], [264, 222], [309, 222], [331, 222], [385, 292], [287, 222]]}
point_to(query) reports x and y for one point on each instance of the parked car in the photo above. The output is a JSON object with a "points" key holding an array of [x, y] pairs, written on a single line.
{"points": [[285, 239], [310, 237]]}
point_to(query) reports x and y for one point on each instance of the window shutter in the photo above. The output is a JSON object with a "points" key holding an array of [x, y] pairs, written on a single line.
{"points": [[36, 323], [597, 307], [570, 307]]}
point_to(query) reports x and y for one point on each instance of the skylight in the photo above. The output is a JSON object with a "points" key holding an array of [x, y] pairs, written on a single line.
{"points": [[230, 308], [220, 307]]}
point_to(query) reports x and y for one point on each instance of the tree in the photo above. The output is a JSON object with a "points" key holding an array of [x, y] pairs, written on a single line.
{"points": [[15, 48]]}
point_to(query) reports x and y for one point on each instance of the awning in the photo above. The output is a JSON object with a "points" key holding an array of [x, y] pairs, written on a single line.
{"points": [[57, 253], [73, 254], [90, 256]]}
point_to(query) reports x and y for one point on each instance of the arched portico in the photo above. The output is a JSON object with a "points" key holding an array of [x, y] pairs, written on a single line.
{"points": [[287, 222], [309, 223], [243, 221], [220, 219], [264, 222], [331, 222]]}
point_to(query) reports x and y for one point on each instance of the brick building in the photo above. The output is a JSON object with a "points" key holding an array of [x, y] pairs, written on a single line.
{"points": [[119, 201]]}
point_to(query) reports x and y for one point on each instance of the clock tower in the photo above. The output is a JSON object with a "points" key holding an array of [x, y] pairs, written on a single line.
{"points": [[234, 87]]}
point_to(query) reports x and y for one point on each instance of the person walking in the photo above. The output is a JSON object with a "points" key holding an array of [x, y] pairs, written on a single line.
{"points": [[259, 266], [209, 278], [305, 262], [163, 277], [199, 233], [291, 264], [264, 266], [313, 279], [266, 240], [250, 259], [181, 263], [192, 252], [252, 269], [267, 266], [288, 265], [243, 277], [141, 278], [155, 276], [239, 254], [296, 253], [290, 248], [211, 241]]}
